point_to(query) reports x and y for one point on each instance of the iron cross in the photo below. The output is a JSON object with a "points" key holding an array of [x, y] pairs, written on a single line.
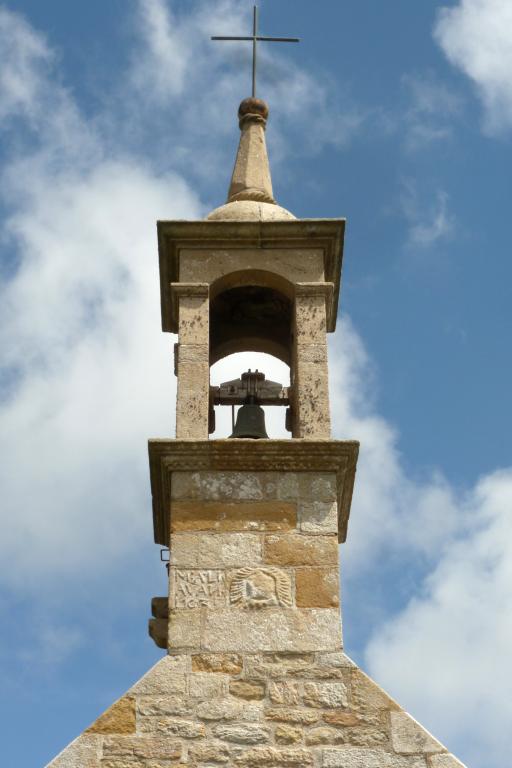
{"points": [[255, 39]]}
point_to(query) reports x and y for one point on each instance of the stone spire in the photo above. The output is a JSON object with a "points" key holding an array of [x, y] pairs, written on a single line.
{"points": [[250, 195], [251, 174]]}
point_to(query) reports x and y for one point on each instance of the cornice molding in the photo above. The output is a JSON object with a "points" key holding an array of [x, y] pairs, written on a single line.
{"points": [[296, 455]]}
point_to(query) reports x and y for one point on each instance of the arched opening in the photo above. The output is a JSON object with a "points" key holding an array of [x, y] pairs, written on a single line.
{"points": [[254, 317], [231, 367]]}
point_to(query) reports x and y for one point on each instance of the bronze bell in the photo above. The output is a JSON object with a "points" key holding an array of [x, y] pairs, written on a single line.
{"points": [[250, 420]]}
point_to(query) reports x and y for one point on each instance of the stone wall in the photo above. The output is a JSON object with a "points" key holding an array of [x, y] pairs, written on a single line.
{"points": [[254, 562], [202, 710]]}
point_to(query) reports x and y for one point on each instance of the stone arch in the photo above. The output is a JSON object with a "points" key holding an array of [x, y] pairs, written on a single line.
{"points": [[251, 311]]}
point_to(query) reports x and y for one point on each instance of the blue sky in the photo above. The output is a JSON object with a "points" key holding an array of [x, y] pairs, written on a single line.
{"points": [[397, 116]]}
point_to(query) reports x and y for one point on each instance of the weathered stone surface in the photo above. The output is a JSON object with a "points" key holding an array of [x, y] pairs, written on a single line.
{"points": [[288, 734], [284, 693], [166, 677], [158, 706], [341, 718], [225, 516], [324, 735], [334, 659], [260, 587], [272, 757], [276, 665], [367, 695], [325, 695], [206, 685], [300, 549], [318, 517], [158, 630], [185, 729], [292, 630], [197, 588], [149, 747], [445, 761], [184, 629], [350, 757], [84, 752], [119, 718], [244, 733], [408, 737], [226, 709], [202, 550], [296, 716], [225, 486], [317, 588], [247, 689], [229, 663], [210, 752]]}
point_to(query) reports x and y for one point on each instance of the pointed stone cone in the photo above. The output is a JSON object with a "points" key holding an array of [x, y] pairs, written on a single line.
{"points": [[251, 175]]}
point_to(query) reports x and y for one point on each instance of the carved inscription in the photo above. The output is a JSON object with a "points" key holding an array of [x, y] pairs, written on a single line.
{"points": [[260, 587], [198, 588]]}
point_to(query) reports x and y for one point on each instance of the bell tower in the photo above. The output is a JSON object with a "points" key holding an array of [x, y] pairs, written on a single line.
{"points": [[254, 673]]}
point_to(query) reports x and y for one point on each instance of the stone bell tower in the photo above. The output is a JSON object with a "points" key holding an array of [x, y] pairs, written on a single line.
{"points": [[254, 672]]}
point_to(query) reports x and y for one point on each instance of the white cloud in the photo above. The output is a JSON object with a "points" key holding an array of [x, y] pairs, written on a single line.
{"points": [[476, 36], [431, 111], [428, 223], [446, 656]]}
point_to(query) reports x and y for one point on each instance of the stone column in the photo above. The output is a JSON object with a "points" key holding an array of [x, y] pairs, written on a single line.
{"points": [[310, 375], [192, 364]]}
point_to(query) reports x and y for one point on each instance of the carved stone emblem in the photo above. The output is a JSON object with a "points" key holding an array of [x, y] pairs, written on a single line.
{"points": [[195, 589], [260, 587]]}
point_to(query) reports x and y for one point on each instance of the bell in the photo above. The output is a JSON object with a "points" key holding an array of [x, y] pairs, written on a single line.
{"points": [[250, 421]]}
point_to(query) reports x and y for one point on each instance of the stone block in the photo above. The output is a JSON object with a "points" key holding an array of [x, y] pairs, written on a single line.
{"points": [[225, 709], [277, 665], [288, 734], [197, 588], [445, 761], [284, 692], [146, 747], [159, 706], [271, 629], [317, 588], [157, 630], [341, 718], [119, 718], [312, 353], [300, 549], [261, 587], [324, 735], [233, 516], [170, 726], [205, 685], [167, 677], [193, 319], [247, 689], [295, 716], [224, 486], [84, 752], [211, 752], [367, 695], [336, 659], [184, 629], [325, 695], [354, 757], [193, 353], [318, 516], [409, 738], [202, 550], [273, 757], [243, 733], [228, 663]]}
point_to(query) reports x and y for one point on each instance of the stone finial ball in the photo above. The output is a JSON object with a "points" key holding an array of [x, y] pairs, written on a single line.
{"points": [[252, 106]]}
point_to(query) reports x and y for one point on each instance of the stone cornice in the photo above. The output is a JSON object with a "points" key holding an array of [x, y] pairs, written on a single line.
{"points": [[175, 236], [168, 456]]}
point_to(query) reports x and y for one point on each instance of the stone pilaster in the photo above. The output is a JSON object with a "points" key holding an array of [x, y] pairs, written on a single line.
{"points": [[192, 363]]}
